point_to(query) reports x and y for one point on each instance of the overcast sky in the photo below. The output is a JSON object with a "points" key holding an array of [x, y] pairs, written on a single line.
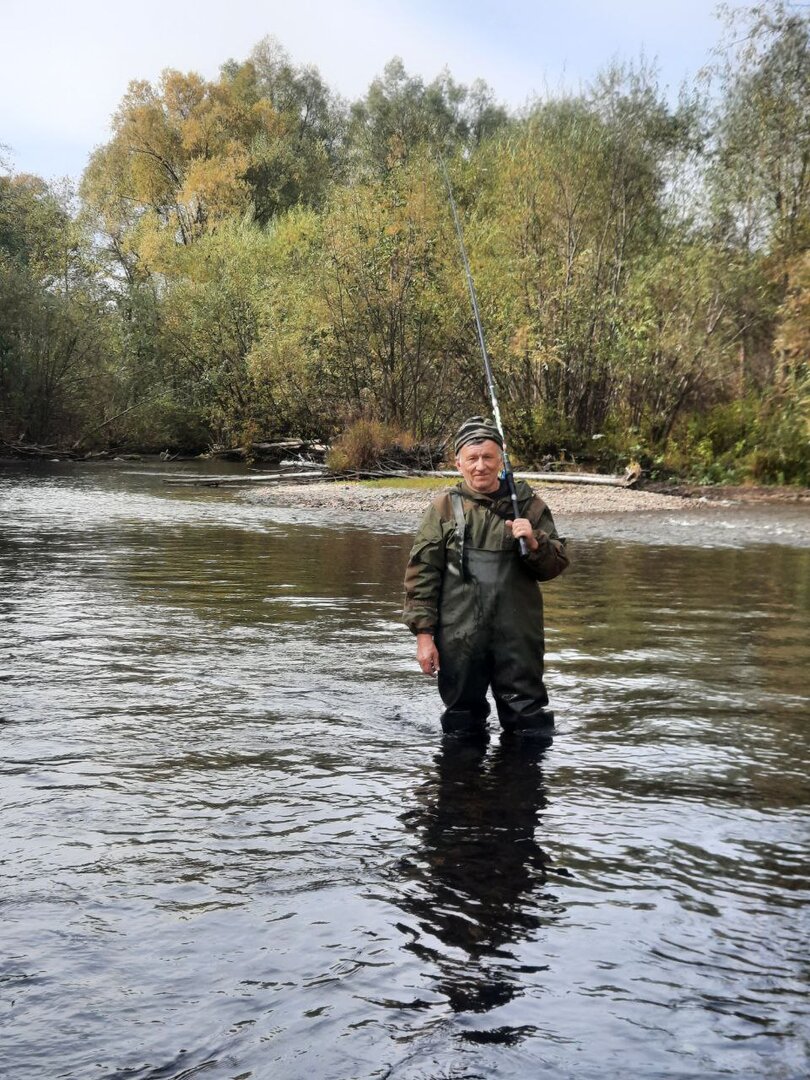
{"points": [[65, 64]]}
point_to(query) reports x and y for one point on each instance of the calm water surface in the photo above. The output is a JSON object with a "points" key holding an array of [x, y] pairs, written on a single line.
{"points": [[233, 845]]}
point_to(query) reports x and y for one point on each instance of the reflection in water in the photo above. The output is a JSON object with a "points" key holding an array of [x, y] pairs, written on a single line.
{"points": [[478, 871]]}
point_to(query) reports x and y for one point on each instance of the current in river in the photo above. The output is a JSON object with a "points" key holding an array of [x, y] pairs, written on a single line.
{"points": [[234, 844]]}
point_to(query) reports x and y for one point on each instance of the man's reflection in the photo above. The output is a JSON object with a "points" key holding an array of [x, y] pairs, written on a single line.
{"points": [[478, 869]]}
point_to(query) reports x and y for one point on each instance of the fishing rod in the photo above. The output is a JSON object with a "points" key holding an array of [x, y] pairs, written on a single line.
{"points": [[508, 475]]}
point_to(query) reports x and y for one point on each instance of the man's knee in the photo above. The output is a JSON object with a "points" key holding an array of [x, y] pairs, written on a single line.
{"points": [[525, 714], [469, 720]]}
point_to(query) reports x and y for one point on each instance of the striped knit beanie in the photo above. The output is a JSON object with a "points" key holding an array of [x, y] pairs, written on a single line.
{"points": [[476, 429]]}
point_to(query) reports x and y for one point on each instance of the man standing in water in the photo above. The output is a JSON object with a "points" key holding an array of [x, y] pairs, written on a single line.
{"points": [[473, 602]]}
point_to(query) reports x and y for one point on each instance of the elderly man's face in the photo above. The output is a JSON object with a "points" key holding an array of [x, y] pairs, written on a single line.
{"points": [[479, 464]]}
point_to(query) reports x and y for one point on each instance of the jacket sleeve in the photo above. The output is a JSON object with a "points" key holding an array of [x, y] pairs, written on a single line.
{"points": [[550, 559], [423, 576]]}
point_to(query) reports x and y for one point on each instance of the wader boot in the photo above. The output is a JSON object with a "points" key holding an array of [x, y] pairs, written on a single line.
{"points": [[491, 634]]}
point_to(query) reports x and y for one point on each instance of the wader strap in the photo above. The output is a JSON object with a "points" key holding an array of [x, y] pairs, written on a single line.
{"points": [[461, 528]]}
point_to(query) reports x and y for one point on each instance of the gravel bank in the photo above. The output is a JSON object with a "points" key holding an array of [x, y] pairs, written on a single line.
{"points": [[562, 498]]}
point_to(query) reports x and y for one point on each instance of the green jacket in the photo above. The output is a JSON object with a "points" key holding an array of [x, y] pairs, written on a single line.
{"points": [[437, 542]]}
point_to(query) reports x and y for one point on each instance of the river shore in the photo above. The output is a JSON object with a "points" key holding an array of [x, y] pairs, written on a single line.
{"points": [[562, 498]]}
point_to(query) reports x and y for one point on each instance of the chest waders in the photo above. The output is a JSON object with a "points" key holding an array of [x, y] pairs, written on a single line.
{"points": [[490, 634]]}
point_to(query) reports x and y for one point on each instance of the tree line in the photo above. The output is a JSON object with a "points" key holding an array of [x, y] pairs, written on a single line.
{"points": [[252, 258]]}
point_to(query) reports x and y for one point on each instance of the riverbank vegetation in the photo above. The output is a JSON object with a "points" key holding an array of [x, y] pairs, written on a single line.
{"points": [[250, 258]]}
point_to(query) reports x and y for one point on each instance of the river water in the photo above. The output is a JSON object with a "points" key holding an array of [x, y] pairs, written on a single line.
{"points": [[234, 846]]}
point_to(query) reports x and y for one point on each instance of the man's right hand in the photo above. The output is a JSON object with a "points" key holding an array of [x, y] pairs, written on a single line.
{"points": [[427, 654]]}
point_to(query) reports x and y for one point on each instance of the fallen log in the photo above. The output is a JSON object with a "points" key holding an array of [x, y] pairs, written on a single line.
{"points": [[260, 478], [270, 450], [578, 478], [292, 466], [310, 475], [547, 477], [32, 450]]}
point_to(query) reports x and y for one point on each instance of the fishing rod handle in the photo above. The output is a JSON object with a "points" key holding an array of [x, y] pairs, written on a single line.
{"points": [[510, 480]]}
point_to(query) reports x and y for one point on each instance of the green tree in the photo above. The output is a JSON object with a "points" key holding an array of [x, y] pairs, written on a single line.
{"points": [[55, 334], [401, 115], [676, 338], [761, 163], [294, 163], [568, 205], [188, 154], [209, 326], [759, 170], [367, 311]]}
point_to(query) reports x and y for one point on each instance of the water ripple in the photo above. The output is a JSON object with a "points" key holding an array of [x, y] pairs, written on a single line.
{"points": [[234, 846]]}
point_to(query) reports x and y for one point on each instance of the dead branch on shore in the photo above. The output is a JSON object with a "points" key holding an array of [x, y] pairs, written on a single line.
{"points": [[295, 474], [269, 451], [34, 451]]}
